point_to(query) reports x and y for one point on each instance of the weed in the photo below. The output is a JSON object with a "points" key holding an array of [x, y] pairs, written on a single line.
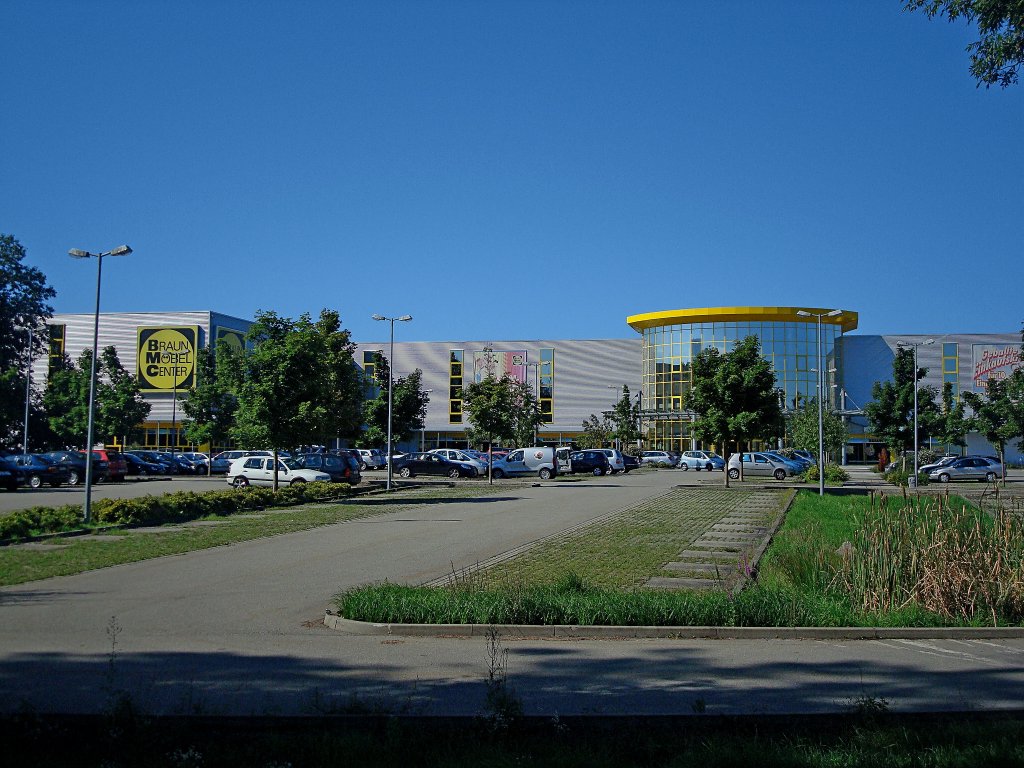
{"points": [[502, 707]]}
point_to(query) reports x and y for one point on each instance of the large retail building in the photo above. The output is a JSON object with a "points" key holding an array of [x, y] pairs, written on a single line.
{"points": [[578, 378]]}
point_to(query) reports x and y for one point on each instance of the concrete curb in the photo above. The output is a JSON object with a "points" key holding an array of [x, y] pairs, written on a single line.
{"points": [[567, 632]]}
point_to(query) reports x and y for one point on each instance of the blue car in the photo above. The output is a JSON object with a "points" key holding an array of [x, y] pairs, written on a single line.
{"points": [[39, 471]]}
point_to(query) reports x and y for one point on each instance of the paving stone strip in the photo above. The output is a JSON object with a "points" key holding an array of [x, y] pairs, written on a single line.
{"points": [[716, 558]]}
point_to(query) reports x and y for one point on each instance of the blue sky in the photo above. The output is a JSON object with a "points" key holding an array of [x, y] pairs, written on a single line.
{"points": [[513, 170]]}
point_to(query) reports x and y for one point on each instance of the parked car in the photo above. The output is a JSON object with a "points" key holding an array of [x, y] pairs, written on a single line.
{"points": [[259, 470], [759, 465], [618, 464], [968, 468], [537, 460], [200, 462], [117, 467], [39, 470], [941, 462], [807, 456], [159, 458], [413, 464], [74, 462], [136, 465], [656, 457], [464, 456], [798, 465], [593, 462], [372, 458], [342, 468], [10, 475], [699, 460], [632, 462]]}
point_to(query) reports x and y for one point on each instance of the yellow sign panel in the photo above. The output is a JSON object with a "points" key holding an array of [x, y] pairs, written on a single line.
{"points": [[233, 338], [167, 357]]}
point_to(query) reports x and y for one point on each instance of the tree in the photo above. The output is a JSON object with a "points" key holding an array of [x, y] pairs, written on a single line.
{"points": [[408, 407], [596, 432], [496, 408], [24, 304], [734, 397], [120, 407], [997, 56], [953, 424], [210, 405], [891, 411], [803, 425], [998, 413], [286, 384], [626, 418]]}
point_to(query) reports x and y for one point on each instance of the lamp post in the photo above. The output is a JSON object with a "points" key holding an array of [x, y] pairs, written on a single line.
{"points": [[821, 388], [915, 345], [75, 253], [391, 379], [28, 391]]}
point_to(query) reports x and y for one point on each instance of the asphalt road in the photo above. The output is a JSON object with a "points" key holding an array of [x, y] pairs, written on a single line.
{"points": [[238, 630]]}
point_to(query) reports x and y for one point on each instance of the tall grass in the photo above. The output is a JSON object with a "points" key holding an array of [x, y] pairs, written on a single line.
{"points": [[945, 557]]}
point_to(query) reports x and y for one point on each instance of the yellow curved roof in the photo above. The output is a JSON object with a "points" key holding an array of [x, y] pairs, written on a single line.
{"points": [[847, 320]]}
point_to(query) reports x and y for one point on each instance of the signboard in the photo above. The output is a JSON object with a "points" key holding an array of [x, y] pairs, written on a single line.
{"points": [[497, 364], [167, 357], [993, 361], [233, 338]]}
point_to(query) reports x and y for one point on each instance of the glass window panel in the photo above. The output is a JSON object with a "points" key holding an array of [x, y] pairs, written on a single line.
{"points": [[949, 365], [949, 350]]}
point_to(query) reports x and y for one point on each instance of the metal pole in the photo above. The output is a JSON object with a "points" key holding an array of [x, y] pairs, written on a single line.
{"points": [[28, 393], [915, 417], [92, 393], [391, 388], [821, 431]]}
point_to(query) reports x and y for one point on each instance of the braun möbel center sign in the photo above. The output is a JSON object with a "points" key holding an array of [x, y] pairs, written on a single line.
{"points": [[167, 357]]}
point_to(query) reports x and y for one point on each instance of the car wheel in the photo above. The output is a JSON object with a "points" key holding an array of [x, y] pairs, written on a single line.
{"points": [[362, 466], [598, 471], [990, 477], [298, 481], [497, 474], [684, 466], [780, 474], [708, 467], [74, 478], [545, 474], [453, 474], [734, 473], [405, 472], [943, 478], [35, 481], [240, 482]]}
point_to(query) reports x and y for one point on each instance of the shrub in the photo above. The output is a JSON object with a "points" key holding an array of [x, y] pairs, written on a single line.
{"points": [[902, 477], [834, 474]]}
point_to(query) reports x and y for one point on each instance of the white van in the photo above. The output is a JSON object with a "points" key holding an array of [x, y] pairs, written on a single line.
{"points": [[562, 454], [538, 460]]}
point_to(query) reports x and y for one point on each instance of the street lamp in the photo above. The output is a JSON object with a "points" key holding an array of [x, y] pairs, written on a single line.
{"points": [[391, 379], [821, 374], [75, 253], [905, 344]]}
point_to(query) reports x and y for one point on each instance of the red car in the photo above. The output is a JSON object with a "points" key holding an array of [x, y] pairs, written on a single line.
{"points": [[117, 467]]}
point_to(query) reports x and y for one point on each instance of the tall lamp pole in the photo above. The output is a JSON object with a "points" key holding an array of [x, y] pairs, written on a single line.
{"points": [[28, 392], [75, 253], [391, 380], [821, 389], [915, 345]]}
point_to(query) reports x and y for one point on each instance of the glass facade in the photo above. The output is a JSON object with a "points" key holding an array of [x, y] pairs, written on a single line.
{"points": [[669, 350]]}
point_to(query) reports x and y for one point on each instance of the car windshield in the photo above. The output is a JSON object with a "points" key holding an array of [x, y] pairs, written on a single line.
{"points": [[290, 463]]}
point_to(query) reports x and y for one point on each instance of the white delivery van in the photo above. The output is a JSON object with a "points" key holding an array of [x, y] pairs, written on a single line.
{"points": [[538, 460], [562, 454]]}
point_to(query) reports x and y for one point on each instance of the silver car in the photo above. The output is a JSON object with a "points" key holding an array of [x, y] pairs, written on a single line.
{"points": [[454, 454], [699, 460], [759, 465], [968, 468]]}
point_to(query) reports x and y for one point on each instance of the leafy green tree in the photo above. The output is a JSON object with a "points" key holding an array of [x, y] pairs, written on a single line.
{"points": [[998, 413], [24, 304], [120, 407], [803, 425], [953, 424], [597, 432], [408, 408], [626, 418], [891, 410], [285, 384], [734, 397], [210, 405], [493, 407], [997, 56]]}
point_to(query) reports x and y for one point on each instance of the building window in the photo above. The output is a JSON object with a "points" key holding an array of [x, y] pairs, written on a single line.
{"points": [[370, 366], [546, 373], [57, 333], [951, 367], [455, 363]]}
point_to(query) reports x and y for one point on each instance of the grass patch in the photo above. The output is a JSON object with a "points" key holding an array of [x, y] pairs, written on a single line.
{"points": [[837, 561], [20, 563]]}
